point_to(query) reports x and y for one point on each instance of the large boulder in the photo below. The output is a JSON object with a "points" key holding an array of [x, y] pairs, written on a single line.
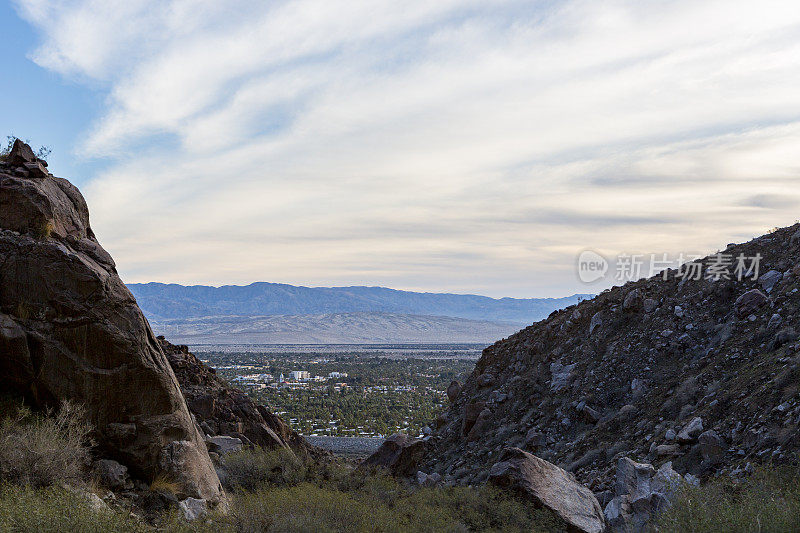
{"points": [[471, 413], [640, 493], [71, 330], [453, 390], [691, 431], [547, 485], [750, 302], [399, 454]]}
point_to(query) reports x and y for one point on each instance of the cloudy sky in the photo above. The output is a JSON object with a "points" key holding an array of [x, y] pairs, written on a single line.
{"points": [[455, 145]]}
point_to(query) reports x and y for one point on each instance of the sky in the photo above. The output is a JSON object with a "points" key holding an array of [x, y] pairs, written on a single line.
{"points": [[448, 146]]}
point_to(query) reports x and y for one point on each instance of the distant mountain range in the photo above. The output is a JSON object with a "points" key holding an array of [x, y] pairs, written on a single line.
{"points": [[274, 313], [162, 301], [335, 328]]}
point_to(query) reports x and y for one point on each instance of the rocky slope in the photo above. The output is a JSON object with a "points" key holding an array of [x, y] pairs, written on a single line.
{"points": [[704, 374], [71, 330], [221, 410]]}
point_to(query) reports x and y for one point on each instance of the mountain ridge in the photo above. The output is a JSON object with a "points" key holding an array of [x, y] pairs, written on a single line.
{"points": [[174, 301], [332, 328]]}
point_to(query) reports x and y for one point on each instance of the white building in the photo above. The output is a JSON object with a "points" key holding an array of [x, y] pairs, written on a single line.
{"points": [[299, 375], [337, 375]]}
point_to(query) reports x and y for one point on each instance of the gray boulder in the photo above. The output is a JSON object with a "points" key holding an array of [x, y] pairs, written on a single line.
{"points": [[633, 300], [691, 431], [641, 492], [112, 474], [750, 302], [453, 390], [223, 444], [597, 321], [561, 375], [712, 447], [399, 454], [547, 485], [769, 279], [193, 508]]}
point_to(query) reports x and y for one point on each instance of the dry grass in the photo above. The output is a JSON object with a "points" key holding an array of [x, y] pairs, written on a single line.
{"points": [[383, 505], [57, 510], [44, 230], [42, 450], [23, 311], [769, 500], [164, 483], [250, 469]]}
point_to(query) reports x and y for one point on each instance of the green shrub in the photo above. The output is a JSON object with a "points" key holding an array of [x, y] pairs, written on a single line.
{"points": [[41, 153], [56, 510], [382, 506], [40, 450], [484, 508], [769, 500], [250, 469]]}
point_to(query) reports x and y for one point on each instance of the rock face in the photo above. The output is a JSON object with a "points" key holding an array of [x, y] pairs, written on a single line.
{"points": [[70, 329], [640, 493], [453, 390], [399, 454], [221, 410], [701, 374], [547, 485]]}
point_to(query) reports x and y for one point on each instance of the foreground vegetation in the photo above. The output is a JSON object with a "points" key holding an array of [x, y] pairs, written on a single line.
{"points": [[45, 487], [768, 500], [270, 491]]}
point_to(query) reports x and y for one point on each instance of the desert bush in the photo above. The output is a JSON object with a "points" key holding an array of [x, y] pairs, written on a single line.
{"points": [[484, 508], [55, 509], [308, 507], [40, 450], [166, 484], [44, 230], [768, 500], [41, 153], [250, 469], [275, 491]]}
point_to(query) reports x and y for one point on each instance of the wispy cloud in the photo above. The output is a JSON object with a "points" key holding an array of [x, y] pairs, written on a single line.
{"points": [[451, 145]]}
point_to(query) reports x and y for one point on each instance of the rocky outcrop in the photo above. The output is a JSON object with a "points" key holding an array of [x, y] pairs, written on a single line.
{"points": [[70, 329], [221, 410], [547, 485], [399, 454], [695, 371], [640, 493]]}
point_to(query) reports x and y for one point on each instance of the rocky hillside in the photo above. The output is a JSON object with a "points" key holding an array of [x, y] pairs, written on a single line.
{"points": [[702, 373]]}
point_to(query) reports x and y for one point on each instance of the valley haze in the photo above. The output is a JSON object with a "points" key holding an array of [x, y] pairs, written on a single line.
{"points": [[274, 313]]}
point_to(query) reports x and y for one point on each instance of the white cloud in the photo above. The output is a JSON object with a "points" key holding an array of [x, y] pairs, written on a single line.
{"points": [[449, 145]]}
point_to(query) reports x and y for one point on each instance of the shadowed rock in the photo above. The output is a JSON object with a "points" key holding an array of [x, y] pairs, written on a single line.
{"points": [[400, 454]]}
